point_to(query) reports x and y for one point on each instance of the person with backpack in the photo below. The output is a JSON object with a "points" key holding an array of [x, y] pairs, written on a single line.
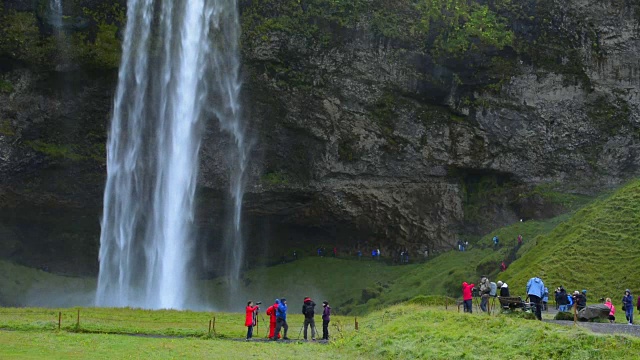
{"points": [[308, 310], [326, 317], [281, 320], [467, 297], [580, 300], [627, 306], [271, 312], [569, 302], [485, 290], [250, 318], [535, 293]]}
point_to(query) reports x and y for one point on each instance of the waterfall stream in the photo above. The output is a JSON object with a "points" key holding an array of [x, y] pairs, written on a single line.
{"points": [[179, 68]]}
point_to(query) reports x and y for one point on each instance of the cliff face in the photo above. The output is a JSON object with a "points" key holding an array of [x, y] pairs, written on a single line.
{"points": [[374, 124]]}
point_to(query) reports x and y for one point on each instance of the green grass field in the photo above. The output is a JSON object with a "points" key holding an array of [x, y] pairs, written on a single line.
{"points": [[397, 332]]}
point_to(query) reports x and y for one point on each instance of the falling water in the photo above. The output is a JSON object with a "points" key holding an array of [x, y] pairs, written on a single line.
{"points": [[56, 13], [180, 65]]}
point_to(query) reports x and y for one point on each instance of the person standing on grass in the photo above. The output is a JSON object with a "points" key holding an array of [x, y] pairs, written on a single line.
{"points": [[519, 240], [281, 320], [326, 317], [612, 310], [627, 306], [535, 293], [250, 319], [467, 297], [308, 310], [485, 290], [562, 299], [271, 312]]}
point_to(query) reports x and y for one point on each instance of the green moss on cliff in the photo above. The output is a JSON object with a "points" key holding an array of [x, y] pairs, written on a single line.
{"points": [[6, 128], [74, 152], [610, 116], [6, 87]]}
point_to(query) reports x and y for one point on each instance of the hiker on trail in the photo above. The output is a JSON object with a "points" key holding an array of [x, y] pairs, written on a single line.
{"points": [[326, 317], [519, 239], [535, 293], [495, 241], [503, 266], [308, 309], [612, 310], [335, 251], [467, 297], [373, 254], [250, 318], [545, 299], [281, 319], [359, 255], [295, 255], [485, 290], [504, 289], [378, 253], [271, 312], [627, 306]]}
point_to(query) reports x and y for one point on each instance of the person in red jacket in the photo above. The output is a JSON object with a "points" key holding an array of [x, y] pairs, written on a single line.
{"points": [[271, 312], [250, 318], [467, 297]]}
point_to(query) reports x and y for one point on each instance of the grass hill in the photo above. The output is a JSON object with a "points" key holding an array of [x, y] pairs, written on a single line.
{"points": [[595, 249]]}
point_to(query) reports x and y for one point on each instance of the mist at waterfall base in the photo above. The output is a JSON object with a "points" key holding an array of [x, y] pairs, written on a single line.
{"points": [[179, 71]]}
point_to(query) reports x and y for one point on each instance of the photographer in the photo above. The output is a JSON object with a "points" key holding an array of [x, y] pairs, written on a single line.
{"points": [[308, 310], [251, 317], [485, 290]]}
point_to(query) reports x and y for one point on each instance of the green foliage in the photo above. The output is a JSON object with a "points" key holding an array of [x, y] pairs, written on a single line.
{"points": [[20, 38]]}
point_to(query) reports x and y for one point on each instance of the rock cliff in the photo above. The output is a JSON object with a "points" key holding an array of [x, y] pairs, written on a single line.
{"points": [[390, 124]]}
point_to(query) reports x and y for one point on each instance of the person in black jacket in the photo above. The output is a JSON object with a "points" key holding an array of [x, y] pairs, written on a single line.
{"points": [[562, 300], [308, 310]]}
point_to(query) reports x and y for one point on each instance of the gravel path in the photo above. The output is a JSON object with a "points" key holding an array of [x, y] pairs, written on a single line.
{"points": [[603, 328]]}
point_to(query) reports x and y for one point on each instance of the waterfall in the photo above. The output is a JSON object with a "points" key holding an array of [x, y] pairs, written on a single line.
{"points": [[180, 66], [56, 13]]}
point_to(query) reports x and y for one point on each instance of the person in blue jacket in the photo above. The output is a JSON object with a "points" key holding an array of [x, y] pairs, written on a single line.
{"points": [[535, 293], [627, 303], [569, 301], [281, 320]]}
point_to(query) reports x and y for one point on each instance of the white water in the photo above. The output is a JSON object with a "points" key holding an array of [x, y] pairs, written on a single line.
{"points": [[56, 13], [171, 79]]}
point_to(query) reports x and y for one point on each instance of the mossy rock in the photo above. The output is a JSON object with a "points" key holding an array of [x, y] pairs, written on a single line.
{"points": [[564, 315]]}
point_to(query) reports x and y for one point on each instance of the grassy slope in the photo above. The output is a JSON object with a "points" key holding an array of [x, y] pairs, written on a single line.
{"points": [[405, 331], [596, 249]]}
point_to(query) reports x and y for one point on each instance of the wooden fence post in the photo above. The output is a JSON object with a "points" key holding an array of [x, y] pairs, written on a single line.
{"points": [[355, 320], [214, 326], [446, 303], [59, 319], [209, 327]]}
